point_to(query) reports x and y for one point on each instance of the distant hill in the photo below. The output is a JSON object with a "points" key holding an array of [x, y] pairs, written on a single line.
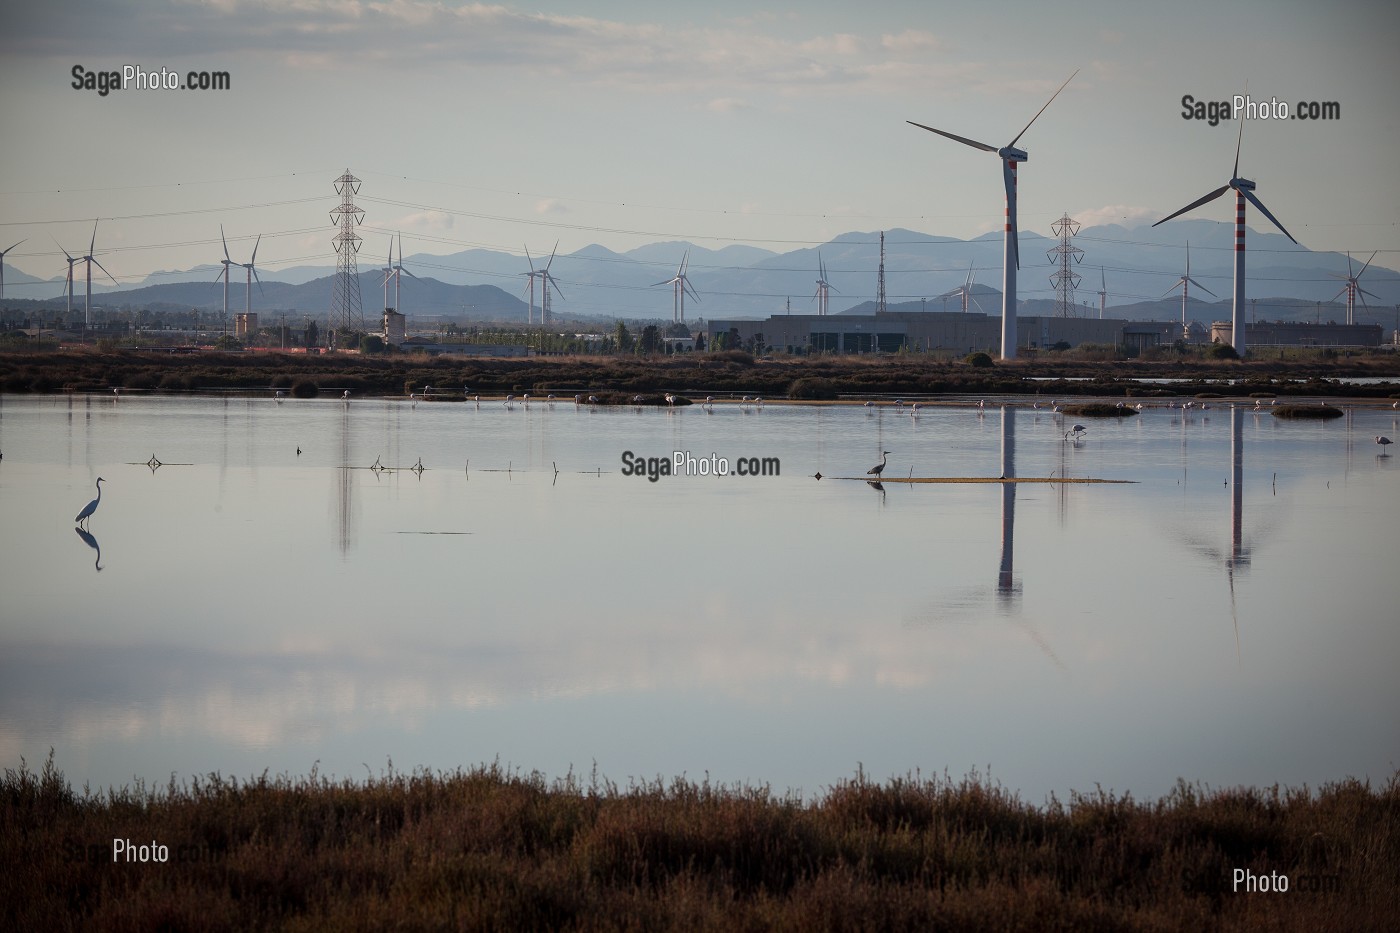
{"points": [[1135, 266]]}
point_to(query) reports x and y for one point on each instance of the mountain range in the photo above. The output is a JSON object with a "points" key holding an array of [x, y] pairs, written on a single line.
{"points": [[1135, 266]]}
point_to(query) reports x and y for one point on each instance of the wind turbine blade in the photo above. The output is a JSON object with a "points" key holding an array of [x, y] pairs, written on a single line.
{"points": [[21, 241], [254, 258], [1195, 204], [685, 261], [1042, 109], [109, 275], [1339, 294], [401, 250], [1103, 280], [551, 256], [65, 253], [956, 138], [1240, 140], [257, 278], [833, 288], [1202, 287], [1362, 291], [1358, 275], [1172, 289], [93, 244], [685, 283], [556, 287], [1265, 211], [224, 240], [670, 281], [1009, 180], [407, 272]]}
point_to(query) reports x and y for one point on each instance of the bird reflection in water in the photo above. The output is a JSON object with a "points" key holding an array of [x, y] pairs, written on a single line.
{"points": [[91, 542]]}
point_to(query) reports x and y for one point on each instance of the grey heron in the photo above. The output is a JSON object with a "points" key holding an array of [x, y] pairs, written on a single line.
{"points": [[1077, 431], [878, 468], [1384, 442], [91, 506]]}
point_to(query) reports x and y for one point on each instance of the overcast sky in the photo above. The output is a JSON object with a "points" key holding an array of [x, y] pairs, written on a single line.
{"points": [[624, 122]]}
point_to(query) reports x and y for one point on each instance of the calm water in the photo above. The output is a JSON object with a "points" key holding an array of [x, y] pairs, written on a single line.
{"points": [[1229, 617]]}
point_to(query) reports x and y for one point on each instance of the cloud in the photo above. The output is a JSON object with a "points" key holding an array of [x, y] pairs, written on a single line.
{"points": [[1125, 215], [422, 220], [727, 105], [550, 206]]}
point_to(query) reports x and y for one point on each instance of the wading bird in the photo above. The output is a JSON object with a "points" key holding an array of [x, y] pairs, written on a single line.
{"points": [[91, 506], [878, 468], [1384, 442], [1077, 431]]}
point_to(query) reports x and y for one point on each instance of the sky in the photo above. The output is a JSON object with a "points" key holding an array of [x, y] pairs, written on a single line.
{"points": [[624, 123]]}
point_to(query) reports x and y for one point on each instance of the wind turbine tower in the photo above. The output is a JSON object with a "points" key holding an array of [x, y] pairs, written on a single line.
{"points": [[824, 288], [681, 285], [252, 271], [398, 272], [1103, 292], [223, 273], [548, 281], [1011, 259], [1244, 191], [347, 314], [1186, 282], [1352, 288], [90, 259], [1066, 280]]}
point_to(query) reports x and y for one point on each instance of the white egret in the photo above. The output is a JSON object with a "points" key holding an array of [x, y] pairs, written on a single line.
{"points": [[91, 506]]}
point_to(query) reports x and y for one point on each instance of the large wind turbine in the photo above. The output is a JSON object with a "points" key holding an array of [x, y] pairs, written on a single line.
{"points": [[1103, 292], [1186, 282], [530, 285], [388, 271], [548, 281], [398, 271], [252, 274], [965, 290], [2, 268], [1352, 288], [682, 285], [228, 264], [90, 259], [68, 284], [1011, 260], [1244, 191], [824, 288]]}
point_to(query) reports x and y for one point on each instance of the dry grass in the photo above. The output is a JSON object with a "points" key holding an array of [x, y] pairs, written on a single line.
{"points": [[492, 849]]}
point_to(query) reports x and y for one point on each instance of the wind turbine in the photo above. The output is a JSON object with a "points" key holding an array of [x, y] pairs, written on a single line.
{"points": [[228, 263], [1103, 292], [252, 274], [1011, 260], [1186, 282], [965, 290], [1244, 191], [69, 283], [824, 288], [2, 267], [90, 259], [1352, 288], [388, 271], [682, 285], [398, 272], [530, 287], [548, 280]]}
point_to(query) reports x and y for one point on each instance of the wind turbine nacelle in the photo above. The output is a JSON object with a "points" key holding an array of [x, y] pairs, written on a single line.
{"points": [[1242, 184], [1012, 154]]}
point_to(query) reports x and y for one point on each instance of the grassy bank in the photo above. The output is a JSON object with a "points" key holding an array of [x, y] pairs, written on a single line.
{"points": [[720, 374], [490, 849]]}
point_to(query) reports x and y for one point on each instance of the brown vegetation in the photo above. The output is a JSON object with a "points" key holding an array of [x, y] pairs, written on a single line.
{"points": [[490, 849], [728, 373]]}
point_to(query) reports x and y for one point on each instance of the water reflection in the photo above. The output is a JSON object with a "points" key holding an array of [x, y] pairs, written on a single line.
{"points": [[1008, 591], [91, 542]]}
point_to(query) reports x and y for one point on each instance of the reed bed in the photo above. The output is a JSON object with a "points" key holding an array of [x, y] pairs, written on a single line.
{"points": [[492, 848]]}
